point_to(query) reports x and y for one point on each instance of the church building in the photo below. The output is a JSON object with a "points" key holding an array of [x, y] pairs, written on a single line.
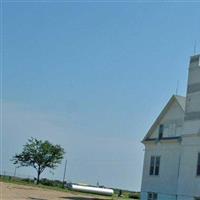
{"points": [[171, 168]]}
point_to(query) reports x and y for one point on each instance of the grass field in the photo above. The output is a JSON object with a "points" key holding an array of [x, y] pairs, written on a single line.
{"points": [[10, 191], [21, 190]]}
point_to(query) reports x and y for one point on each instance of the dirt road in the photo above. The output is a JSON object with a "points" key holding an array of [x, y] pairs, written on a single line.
{"points": [[10, 191]]}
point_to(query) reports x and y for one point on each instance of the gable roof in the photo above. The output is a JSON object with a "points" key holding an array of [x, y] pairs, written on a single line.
{"points": [[181, 102]]}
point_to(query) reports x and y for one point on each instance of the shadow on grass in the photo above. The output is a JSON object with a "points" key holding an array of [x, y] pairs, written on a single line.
{"points": [[81, 198], [33, 198]]}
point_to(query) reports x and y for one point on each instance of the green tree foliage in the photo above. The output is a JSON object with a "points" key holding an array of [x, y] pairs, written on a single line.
{"points": [[39, 155]]}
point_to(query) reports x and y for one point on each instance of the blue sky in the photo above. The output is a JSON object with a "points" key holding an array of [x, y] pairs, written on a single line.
{"points": [[92, 76]]}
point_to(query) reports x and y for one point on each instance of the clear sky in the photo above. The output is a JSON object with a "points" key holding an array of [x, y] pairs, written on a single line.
{"points": [[92, 76]]}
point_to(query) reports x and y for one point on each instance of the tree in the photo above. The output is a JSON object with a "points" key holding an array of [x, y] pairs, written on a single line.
{"points": [[39, 155]]}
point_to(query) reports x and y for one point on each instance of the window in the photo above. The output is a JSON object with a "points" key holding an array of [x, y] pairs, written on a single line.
{"points": [[157, 165], [198, 165], [161, 130], [151, 171], [152, 196], [154, 165]]}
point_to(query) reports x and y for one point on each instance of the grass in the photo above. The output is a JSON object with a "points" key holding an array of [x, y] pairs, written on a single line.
{"points": [[59, 188], [56, 188], [26, 183]]}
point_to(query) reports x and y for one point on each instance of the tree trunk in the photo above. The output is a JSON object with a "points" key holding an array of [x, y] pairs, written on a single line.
{"points": [[38, 177]]}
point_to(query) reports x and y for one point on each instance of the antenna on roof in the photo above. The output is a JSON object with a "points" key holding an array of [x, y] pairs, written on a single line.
{"points": [[177, 87]]}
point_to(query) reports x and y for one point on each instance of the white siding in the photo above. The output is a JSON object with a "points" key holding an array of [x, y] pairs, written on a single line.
{"points": [[184, 198], [194, 74], [166, 182], [172, 121], [191, 127], [189, 183], [144, 196]]}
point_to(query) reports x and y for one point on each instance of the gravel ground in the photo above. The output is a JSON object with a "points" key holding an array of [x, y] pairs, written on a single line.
{"points": [[10, 191]]}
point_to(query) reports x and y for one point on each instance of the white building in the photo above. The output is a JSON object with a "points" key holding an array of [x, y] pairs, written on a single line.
{"points": [[172, 146]]}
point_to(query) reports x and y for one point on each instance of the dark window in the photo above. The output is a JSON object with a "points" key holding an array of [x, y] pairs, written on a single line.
{"points": [[155, 196], [157, 165], [154, 165], [152, 196], [198, 165], [161, 130], [151, 171]]}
